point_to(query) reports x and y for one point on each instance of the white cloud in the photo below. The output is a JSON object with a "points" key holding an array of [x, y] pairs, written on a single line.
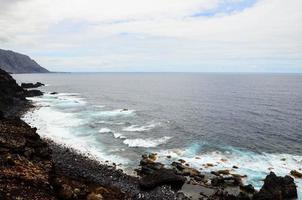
{"points": [[144, 34]]}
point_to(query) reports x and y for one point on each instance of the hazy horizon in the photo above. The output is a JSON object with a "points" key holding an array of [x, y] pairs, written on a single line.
{"points": [[210, 36]]}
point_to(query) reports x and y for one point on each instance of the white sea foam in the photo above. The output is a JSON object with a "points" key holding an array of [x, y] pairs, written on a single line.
{"points": [[100, 106], [111, 123], [137, 128], [115, 113], [119, 135], [105, 130], [255, 166], [146, 142], [62, 127], [58, 100]]}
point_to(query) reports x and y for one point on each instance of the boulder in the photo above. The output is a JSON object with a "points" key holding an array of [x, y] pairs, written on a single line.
{"points": [[277, 188], [296, 174], [148, 166], [188, 171], [162, 177]]}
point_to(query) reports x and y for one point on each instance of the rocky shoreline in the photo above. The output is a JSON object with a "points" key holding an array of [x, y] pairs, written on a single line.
{"points": [[32, 168]]}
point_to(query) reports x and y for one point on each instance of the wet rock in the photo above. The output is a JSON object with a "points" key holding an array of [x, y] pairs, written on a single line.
{"points": [[162, 177], [152, 156], [207, 165], [248, 188], [178, 166], [33, 93], [187, 171], [31, 85], [226, 181], [217, 181], [224, 172], [296, 174], [148, 166], [277, 188]]}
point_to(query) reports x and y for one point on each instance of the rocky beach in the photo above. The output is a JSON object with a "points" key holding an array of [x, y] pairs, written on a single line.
{"points": [[34, 168]]}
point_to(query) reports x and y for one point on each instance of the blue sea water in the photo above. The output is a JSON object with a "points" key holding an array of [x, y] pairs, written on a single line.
{"points": [[253, 121]]}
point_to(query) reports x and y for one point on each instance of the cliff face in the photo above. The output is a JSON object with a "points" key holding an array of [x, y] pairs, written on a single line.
{"points": [[13, 62], [12, 96]]}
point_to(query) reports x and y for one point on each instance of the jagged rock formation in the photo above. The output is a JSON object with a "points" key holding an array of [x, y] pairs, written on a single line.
{"points": [[12, 96], [277, 188], [13, 62]]}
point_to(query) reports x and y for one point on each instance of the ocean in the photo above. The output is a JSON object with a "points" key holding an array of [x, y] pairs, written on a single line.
{"points": [[252, 121]]}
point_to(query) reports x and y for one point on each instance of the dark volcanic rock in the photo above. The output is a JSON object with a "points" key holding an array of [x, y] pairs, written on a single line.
{"points": [[13, 62], [33, 93], [248, 188], [277, 188], [25, 162], [296, 174], [162, 177], [12, 96], [27, 170], [32, 85]]}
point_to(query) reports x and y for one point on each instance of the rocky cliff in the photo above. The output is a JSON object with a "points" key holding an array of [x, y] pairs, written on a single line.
{"points": [[12, 96], [13, 62]]}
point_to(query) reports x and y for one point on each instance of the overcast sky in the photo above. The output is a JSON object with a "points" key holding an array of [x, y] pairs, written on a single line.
{"points": [[156, 35]]}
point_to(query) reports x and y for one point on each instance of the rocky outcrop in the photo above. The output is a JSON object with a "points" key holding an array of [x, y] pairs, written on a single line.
{"points": [[277, 188], [33, 93], [154, 174], [162, 177], [12, 96], [13, 62], [31, 85]]}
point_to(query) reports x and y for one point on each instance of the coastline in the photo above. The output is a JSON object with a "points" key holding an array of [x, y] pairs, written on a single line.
{"points": [[71, 167]]}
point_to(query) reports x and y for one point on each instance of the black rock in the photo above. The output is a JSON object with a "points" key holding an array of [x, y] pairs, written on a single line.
{"points": [[33, 93], [217, 181], [248, 188], [277, 188], [162, 177], [31, 85], [12, 96]]}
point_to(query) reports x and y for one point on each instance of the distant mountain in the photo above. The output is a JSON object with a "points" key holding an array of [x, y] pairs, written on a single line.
{"points": [[17, 63]]}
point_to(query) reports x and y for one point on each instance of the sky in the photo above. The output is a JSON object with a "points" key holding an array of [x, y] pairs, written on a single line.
{"points": [[156, 35]]}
